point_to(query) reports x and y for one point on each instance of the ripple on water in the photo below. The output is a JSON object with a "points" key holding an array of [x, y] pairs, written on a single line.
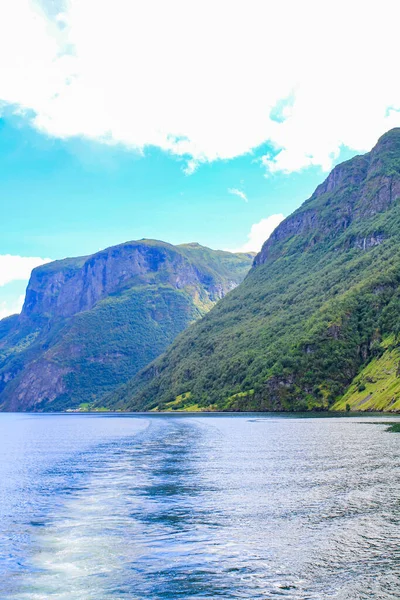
{"points": [[216, 507]]}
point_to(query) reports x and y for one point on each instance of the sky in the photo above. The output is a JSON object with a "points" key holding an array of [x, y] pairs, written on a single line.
{"points": [[178, 120]]}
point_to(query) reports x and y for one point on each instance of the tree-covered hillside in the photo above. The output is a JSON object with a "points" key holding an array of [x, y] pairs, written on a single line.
{"points": [[319, 306], [90, 323]]}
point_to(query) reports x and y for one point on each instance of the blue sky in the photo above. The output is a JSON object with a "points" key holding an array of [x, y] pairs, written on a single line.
{"points": [[64, 198], [181, 121], [73, 197]]}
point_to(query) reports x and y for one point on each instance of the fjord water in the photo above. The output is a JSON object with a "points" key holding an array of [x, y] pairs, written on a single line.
{"points": [[246, 506]]}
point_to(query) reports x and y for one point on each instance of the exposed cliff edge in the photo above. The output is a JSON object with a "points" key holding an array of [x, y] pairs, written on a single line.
{"points": [[354, 191], [321, 304], [89, 323], [66, 287]]}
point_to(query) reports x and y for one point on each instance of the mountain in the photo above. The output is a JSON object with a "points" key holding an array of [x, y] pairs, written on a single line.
{"points": [[90, 323], [316, 322]]}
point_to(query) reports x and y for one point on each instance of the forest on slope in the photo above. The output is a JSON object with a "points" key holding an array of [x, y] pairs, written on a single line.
{"points": [[319, 308]]}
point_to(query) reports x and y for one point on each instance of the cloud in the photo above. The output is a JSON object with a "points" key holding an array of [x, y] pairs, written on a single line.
{"points": [[239, 193], [207, 80], [11, 308], [18, 268], [191, 167], [259, 233]]}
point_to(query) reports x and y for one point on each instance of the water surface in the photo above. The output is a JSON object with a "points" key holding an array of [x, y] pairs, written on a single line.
{"points": [[157, 507]]}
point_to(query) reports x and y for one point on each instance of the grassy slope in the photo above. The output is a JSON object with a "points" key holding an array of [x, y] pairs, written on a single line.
{"points": [[296, 332], [377, 385], [217, 262]]}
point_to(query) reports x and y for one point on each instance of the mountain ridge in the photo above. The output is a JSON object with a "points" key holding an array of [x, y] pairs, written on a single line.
{"points": [[321, 299], [346, 175]]}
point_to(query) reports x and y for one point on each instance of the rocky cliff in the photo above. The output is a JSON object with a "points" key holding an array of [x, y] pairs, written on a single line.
{"points": [[64, 288], [89, 323], [354, 191]]}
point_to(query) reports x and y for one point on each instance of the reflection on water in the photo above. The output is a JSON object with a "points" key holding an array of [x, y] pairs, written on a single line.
{"points": [[198, 507]]}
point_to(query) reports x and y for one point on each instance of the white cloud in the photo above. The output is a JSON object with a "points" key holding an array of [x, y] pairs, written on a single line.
{"points": [[259, 233], [191, 166], [18, 268], [238, 193], [207, 80], [11, 308]]}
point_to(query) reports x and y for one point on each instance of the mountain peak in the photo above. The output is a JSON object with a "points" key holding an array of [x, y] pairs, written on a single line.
{"points": [[354, 190], [391, 136], [89, 323]]}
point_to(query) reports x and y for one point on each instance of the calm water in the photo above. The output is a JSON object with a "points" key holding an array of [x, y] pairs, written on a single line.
{"points": [[249, 506]]}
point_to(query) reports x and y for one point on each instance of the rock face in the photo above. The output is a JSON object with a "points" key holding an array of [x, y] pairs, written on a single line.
{"points": [[355, 190], [320, 303], [89, 323], [65, 288]]}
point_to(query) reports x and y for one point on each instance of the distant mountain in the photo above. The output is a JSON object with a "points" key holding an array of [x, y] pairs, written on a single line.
{"points": [[89, 324], [315, 324]]}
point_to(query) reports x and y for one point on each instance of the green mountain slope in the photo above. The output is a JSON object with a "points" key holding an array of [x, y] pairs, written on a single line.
{"points": [[377, 385], [90, 323], [322, 295]]}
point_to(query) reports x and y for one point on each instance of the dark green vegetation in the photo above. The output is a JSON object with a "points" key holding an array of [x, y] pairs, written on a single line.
{"points": [[90, 323], [321, 304], [394, 428], [390, 426]]}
